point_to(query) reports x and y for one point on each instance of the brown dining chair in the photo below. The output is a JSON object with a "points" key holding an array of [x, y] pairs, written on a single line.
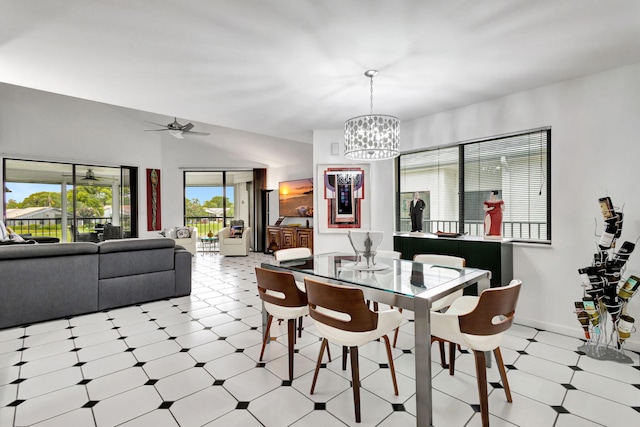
{"points": [[479, 323], [283, 300], [343, 318]]}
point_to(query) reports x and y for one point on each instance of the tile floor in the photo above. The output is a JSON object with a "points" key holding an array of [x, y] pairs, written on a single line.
{"points": [[193, 361]]}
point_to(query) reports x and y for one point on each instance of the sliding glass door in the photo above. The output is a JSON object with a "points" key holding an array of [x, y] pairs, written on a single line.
{"points": [[72, 202]]}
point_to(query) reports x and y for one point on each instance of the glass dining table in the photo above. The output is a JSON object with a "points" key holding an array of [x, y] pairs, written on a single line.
{"points": [[400, 283]]}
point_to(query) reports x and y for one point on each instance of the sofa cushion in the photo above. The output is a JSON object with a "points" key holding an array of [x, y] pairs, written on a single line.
{"points": [[50, 250], [129, 257]]}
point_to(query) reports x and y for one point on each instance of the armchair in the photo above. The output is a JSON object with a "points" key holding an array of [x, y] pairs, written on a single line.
{"points": [[234, 246], [189, 243]]}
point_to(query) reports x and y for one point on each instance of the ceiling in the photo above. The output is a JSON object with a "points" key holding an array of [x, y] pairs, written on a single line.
{"points": [[287, 67]]}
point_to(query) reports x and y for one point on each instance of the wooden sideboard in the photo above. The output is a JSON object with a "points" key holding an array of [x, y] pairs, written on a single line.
{"points": [[285, 237], [493, 255]]}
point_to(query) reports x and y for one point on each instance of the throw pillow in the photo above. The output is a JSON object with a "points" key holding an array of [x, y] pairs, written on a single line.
{"points": [[236, 231], [4, 234], [183, 232]]}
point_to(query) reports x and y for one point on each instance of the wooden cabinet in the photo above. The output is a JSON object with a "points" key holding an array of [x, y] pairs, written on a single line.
{"points": [[493, 255], [289, 237]]}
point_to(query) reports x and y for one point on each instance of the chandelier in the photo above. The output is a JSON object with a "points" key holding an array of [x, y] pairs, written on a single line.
{"points": [[373, 136]]}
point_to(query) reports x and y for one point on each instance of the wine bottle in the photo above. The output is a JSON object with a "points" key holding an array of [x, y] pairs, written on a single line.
{"points": [[606, 207], [619, 219], [621, 257], [607, 238]]}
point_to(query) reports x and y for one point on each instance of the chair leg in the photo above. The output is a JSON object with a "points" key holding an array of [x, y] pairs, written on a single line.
{"points": [[355, 377], [452, 357], [344, 357], [329, 353], [391, 365], [324, 344], [395, 334], [292, 338], [503, 373], [481, 374], [266, 334], [300, 327], [440, 341]]}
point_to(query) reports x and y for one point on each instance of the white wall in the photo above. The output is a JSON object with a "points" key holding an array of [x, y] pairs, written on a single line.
{"points": [[595, 149], [41, 125]]}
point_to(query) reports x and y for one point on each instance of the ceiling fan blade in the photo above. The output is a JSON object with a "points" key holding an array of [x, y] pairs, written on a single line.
{"points": [[187, 127], [196, 133], [157, 124], [155, 130]]}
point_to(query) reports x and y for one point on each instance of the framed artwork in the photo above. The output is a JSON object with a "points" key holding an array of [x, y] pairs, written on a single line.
{"points": [[342, 198], [154, 212]]}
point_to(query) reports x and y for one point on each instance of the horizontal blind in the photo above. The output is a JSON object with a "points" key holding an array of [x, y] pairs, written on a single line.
{"points": [[434, 174], [516, 167]]}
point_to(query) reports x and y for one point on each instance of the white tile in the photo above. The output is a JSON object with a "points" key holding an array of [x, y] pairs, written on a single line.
{"points": [[183, 383], [183, 328], [251, 384], [130, 319], [50, 405], [157, 418], [175, 319], [79, 417], [229, 366], [535, 388], [168, 365], [101, 350], [380, 384], [92, 328], [245, 339], [96, 338], [544, 368], [210, 351], [156, 350], [599, 410], [116, 383], [607, 388], [521, 331], [328, 386], [196, 338], [164, 312], [571, 420], [197, 409], [281, 407], [7, 415], [11, 334], [108, 365], [8, 393], [40, 328], [47, 337], [562, 341], [552, 353], [522, 411], [373, 409], [47, 383], [9, 359], [146, 338], [137, 328], [610, 369], [10, 346], [398, 419], [126, 406], [87, 319], [47, 350], [9, 374]]}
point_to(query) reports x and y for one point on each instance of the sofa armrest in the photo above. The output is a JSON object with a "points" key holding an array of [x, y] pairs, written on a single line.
{"points": [[183, 271]]}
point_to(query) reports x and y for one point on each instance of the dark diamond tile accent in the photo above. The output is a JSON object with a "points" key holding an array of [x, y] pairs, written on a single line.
{"points": [[407, 351], [171, 338], [199, 365], [152, 320], [261, 365], [323, 365], [218, 382], [144, 312], [222, 338], [130, 349], [560, 409], [581, 353], [165, 405], [398, 407], [568, 386], [576, 368], [23, 337], [539, 330], [111, 318], [250, 305], [464, 351], [255, 328], [184, 312], [476, 408], [286, 383], [70, 327], [83, 382], [636, 386], [161, 328], [320, 406], [122, 338], [511, 367], [20, 363], [223, 312], [207, 328], [636, 408], [532, 340], [296, 350], [79, 364], [637, 367], [384, 365], [151, 382], [496, 385], [242, 405], [524, 353], [16, 402], [76, 349], [138, 364], [23, 349], [116, 328], [72, 337], [18, 381], [185, 350], [237, 320], [240, 350], [90, 404]]}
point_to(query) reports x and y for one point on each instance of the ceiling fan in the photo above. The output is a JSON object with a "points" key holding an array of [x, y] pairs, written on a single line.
{"points": [[89, 176], [176, 129]]}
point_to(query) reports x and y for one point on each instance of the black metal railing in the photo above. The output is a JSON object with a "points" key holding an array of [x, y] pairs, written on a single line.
{"points": [[53, 227], [525, 230], [206, 224]]}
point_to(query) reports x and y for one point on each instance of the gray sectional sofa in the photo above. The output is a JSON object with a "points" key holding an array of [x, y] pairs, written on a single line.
{"points": [[49, 281]]}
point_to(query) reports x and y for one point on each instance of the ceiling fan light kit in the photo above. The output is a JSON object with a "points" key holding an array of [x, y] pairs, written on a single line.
{"points": [[372, 136]]}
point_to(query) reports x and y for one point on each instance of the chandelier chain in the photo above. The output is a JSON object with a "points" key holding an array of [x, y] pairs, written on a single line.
{"points": [[371, 83]]}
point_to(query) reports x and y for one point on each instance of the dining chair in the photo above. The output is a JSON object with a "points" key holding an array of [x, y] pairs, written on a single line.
{"points": [[442, 303], [388, 254], [343, 318], [292, 253], [282, 299], [479, 324]]}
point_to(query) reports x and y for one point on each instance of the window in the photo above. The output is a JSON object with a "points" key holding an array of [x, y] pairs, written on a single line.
{"points": [[458, 179]]}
